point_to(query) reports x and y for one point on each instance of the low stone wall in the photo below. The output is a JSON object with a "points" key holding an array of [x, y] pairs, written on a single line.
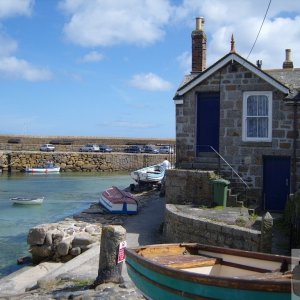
{"points": [[180, 227], [76, 161], [189, 186], [62, 241]]}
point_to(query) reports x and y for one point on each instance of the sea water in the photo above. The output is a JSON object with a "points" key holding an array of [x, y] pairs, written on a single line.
{"points": [[65, 194]]}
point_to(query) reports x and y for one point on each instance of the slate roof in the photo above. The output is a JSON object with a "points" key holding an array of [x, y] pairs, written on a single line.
{"points": [[290, 78]]}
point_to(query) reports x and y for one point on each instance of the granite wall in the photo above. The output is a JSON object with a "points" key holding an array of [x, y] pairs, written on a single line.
{"points": [[75, 161], [180, 227]]}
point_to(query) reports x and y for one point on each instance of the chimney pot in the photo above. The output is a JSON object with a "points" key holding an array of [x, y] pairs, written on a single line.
{"points": [[259, 63], [288, 64], [200, 23]]}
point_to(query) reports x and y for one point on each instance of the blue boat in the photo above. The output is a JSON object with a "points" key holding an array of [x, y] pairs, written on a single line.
{"points": [[196, 271]]}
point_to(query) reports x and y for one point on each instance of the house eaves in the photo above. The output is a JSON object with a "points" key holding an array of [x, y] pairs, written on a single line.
{"points": [[221, 63]]}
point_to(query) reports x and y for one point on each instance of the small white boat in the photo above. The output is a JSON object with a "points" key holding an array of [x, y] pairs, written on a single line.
{"points": [[151, 174], [48, 168], [118, 201], [27, 201]]}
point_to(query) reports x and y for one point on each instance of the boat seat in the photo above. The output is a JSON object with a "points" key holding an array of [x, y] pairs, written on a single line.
{"points": [[267, 276], [186, 261]]}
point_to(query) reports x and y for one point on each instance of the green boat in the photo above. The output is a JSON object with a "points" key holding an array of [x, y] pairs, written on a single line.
{"points": [[196, 271]]}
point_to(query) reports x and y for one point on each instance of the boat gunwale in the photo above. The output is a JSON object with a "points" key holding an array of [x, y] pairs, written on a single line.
{"points": [[221, 281]]}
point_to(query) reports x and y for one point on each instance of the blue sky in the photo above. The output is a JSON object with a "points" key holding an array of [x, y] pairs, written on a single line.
{"points": [[110, 68]]}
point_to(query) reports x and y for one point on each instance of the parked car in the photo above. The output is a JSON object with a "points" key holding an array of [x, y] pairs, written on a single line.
{"points": [[47, 148], [150, 149], [133, 149], [166, 149], [89, 148], [104, 148]]}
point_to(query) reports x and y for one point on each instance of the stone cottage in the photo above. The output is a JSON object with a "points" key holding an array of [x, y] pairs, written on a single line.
{"points": [[242, 121]]}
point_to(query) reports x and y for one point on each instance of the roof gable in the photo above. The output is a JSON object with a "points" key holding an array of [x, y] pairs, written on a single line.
{"points": [[222, 62]]}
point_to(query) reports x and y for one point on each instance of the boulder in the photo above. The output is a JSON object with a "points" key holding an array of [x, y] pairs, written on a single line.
{"points": [[83, 239], [37, 235]]}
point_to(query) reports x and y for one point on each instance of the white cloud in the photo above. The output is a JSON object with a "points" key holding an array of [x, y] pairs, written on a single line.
{"points": [[93, 56], [9, 8], [106, 23], [185, 61], [13, 68], [150, 82], [8, 45], [281, 29]]}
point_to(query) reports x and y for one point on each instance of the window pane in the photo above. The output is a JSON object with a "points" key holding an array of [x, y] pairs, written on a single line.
{"points": [[251, 127], [252, 106], [262, 106], [262, 127]]}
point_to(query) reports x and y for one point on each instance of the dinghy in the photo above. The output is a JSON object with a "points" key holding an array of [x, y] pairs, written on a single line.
{"points": [[48, 168], [196, 271], [118, 201], [27, 201]]}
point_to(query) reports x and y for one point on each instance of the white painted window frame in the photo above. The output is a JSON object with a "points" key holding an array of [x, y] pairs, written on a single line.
{"points": [[270, 101]]}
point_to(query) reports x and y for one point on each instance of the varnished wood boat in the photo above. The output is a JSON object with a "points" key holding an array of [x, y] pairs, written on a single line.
{"points": [[196, 271]]}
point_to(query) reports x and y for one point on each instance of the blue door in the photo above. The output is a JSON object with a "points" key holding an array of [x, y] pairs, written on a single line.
{"points": [[276, 182], [208, 121]]}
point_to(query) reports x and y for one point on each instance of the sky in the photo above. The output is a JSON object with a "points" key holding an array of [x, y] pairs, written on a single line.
{"points": [[110, 68]]}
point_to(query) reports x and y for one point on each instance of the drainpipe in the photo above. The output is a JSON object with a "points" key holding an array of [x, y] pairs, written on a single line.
{"points": [[294, 164]]}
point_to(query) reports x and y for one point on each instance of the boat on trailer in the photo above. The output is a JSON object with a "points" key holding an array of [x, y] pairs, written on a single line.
{"points": [[151, 174], [27, 201], [118, 201], [197, 271]]}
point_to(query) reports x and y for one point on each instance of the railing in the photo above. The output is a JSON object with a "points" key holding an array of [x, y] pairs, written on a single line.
{"points": [[220, 157]]}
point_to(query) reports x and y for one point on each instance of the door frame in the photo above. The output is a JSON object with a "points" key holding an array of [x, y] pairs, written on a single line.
{"points": [[283, 158], [198, 97]]}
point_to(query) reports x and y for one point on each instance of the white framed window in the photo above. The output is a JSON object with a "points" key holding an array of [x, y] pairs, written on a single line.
{"points": [[257, 116]]}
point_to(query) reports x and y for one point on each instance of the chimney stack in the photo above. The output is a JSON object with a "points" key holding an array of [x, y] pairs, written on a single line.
{"points": [[288, 64], [199, 47]]}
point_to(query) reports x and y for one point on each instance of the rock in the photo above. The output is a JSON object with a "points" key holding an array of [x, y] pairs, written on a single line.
{"points": [[83, 239], [37, 235], [63, 247], [40, 253], [75, 251], [57, 237]]}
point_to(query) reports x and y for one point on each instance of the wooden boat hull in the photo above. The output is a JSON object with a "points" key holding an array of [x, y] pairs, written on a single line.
{"points": [[42, 170], [119, 202], [151, 174], [158, 280], [27, 201]]}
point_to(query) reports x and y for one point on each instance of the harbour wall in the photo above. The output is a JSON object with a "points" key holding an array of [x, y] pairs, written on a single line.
{"points": [[73, 143], [182, 227], [16, 161]]}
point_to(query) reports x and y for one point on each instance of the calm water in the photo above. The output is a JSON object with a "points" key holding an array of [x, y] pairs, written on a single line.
{"points": [[65, 194]]}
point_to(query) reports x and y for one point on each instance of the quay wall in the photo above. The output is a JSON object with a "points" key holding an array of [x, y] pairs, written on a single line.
{"points": [[15, 161], [180, 227], [73, 143]]}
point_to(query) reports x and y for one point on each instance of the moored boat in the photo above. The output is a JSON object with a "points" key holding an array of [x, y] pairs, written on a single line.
{"points": [[118, 201], [151, 174], [196, 271], [27, 201], [48, 168]]}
